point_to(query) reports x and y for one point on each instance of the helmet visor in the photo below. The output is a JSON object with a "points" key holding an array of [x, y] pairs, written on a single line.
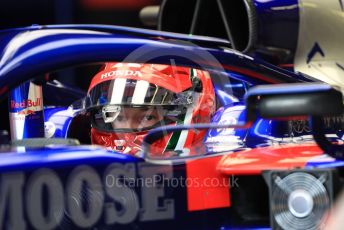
{"points": [[121, 91], [122, 118]]}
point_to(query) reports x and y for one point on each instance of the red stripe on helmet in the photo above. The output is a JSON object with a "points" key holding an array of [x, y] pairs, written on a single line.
{"points": [[173, 78]]}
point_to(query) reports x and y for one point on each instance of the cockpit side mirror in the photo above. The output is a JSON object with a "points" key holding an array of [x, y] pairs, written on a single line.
{"points": [[293, 100]]}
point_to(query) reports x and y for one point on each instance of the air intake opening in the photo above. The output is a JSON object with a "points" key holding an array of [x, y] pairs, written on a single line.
{"points": [[240, 22], [176, 15], [233, 20]]}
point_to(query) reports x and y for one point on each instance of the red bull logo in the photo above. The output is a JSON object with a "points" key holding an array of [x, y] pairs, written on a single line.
{"points": [[26, 103], [25, 106]]}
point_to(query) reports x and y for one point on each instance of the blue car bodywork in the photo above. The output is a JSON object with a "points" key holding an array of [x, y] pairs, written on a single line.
{"points": [[74, 186]]}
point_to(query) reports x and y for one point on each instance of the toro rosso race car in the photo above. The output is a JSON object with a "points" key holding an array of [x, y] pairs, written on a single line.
{"points": [[256, 163]]}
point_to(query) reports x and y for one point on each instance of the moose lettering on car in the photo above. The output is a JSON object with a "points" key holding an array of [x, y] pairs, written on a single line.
{"points": [[45, 198]]}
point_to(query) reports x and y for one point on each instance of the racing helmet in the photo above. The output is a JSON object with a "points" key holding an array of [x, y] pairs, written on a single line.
{"points": [[129, 99]]}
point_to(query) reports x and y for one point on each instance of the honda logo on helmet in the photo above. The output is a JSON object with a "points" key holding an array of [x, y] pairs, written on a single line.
{"points": [[121, 73]]}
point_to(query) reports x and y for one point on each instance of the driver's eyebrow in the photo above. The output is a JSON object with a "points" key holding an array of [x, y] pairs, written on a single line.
{"points": [[146, 109]]}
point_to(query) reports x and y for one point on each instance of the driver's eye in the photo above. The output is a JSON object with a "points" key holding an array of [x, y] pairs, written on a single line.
{"points": [[149, 117]]}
